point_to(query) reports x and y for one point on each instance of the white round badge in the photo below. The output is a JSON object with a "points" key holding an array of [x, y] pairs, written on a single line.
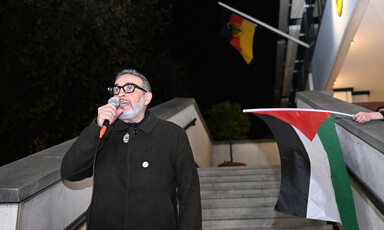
{"points": [[145, 164]]}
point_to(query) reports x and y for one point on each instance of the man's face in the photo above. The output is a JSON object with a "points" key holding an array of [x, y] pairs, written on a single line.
{"points": [[133, 104]]}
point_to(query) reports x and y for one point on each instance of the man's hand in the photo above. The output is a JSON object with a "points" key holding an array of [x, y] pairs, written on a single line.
{"points": [[108, 112], [363, 117]]}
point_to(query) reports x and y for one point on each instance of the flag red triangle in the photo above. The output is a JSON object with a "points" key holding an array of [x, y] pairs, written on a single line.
{"points": [[298, 119]]}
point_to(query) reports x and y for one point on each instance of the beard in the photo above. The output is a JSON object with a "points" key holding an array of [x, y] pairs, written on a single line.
{"points": [[133, 111]]}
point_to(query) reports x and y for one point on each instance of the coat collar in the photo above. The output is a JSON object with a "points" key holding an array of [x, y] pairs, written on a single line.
{"points": [[147, 125]]}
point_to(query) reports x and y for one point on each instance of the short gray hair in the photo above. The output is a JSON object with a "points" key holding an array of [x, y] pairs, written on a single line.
{"points": [[133, 72]]}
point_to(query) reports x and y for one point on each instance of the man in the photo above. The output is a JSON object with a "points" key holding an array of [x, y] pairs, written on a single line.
{"points": [[144, 174]]}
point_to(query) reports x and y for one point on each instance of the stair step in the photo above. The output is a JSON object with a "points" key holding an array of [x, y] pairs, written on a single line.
{"points": [[240, 193], [322, 227], [240, 178], [238, 202], [243, 198], [269, 223], [249, 212], [240, 185], [234, 171]]}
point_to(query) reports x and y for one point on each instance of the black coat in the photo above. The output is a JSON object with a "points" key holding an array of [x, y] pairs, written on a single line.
{"points": [[137, 184]]}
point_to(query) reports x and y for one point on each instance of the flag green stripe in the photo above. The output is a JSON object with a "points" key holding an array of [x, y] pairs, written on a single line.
{"points": [[340, 180]]}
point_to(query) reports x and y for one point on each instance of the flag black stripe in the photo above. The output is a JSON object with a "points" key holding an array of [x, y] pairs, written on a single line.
{"points": [[295, 168]]}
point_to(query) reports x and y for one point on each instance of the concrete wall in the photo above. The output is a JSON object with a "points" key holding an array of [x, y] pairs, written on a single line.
{"points": [[251, 152], [182, 111], [198, 134], [32, 195]]}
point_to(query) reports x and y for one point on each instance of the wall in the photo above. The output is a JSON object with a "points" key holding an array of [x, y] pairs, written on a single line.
{"points": [[182, 111], [251, 152], [32, 195], [198, 136]]}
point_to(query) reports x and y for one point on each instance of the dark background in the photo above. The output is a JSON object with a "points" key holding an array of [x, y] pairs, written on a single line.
{"points": [[218, 71], [57, 59]]}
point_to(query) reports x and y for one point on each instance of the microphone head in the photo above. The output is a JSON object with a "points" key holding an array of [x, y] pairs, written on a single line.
{"points": [[114, 101]]}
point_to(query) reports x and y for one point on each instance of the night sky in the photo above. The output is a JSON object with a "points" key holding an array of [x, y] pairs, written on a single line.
{"points": [[218, 70]]}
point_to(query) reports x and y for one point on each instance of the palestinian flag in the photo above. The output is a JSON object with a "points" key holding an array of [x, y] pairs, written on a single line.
{"points": [[239, 32], [314, 178]]}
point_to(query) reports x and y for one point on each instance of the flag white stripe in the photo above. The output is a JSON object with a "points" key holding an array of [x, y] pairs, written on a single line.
{"points": [[321, 196]]}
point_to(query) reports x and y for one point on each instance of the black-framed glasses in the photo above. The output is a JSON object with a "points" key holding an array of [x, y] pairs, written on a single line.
{"points": [[128, 88]]}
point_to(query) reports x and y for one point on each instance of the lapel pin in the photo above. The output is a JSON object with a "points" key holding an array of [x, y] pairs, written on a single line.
{"points": [[126, 138]]}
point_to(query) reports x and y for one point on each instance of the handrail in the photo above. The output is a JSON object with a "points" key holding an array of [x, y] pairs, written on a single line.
{"points": [[191, 123], [378, 203], [78, 222]]}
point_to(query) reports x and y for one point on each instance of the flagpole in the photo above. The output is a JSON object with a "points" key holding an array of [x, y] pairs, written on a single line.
{"points": [[291, 109], [257, 22]]}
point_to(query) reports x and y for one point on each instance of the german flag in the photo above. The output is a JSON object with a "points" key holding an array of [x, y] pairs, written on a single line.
{"points": [[239, 32]]}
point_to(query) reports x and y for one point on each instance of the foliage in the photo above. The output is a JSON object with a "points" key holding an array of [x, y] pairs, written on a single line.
{"points": [[226, 121], [58, 57]]}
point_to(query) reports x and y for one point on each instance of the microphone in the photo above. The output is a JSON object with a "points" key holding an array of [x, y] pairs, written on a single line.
{"points": [[116, 103]]}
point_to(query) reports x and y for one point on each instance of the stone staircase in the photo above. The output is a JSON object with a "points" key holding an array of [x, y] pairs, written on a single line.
{"points": [[244, 197]]}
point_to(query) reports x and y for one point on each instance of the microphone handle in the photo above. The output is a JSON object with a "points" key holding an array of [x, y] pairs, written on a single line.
{"points": [[104, 128], [115, 102]]}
